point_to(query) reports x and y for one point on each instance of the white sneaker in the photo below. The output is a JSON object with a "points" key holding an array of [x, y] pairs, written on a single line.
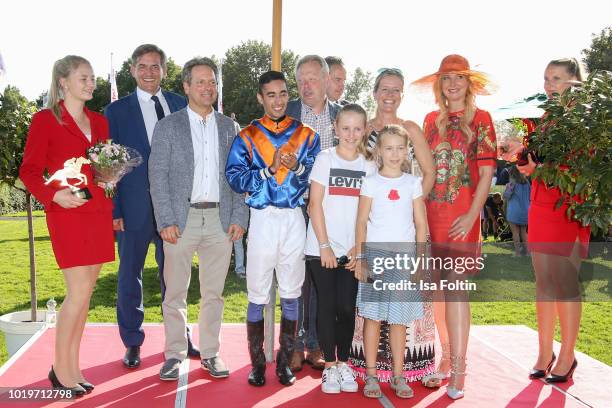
{"points": [[347, 378], [330, 381]]}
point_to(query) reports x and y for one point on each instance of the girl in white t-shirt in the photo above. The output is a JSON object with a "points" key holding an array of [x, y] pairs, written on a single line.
{"points": [[335, 183], [391, 219]]}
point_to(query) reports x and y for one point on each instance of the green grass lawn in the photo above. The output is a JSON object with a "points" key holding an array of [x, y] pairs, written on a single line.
{"points": [[503, 274]]}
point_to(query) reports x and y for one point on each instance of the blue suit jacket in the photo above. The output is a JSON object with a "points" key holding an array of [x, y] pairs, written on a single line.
{"points": [[294, 109], [132, 201]]}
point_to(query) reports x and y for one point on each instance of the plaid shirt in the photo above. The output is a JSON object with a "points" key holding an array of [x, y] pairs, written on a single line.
{"points": [[321, 123]]}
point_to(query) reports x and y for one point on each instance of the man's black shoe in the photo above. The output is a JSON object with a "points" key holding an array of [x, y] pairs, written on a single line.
{"points": [[132, 357], [192, 351]]}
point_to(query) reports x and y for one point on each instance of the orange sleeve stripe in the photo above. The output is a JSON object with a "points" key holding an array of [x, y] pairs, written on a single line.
{"points": [[245, 138]]}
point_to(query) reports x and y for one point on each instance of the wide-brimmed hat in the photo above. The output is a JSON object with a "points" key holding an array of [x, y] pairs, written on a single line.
{"points": [[456, 64]]}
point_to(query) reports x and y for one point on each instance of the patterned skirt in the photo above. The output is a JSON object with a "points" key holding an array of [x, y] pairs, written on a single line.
{"points": [[397, 307]]}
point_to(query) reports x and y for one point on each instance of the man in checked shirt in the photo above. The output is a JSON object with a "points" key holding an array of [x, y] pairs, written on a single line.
{"points": [[314, 109]]}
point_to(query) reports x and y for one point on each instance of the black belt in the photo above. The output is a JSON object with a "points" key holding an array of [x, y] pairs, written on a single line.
{"points": [[203, 205]]}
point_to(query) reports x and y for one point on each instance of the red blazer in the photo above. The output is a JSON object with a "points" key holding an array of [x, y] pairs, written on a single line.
{"points": [[49, 145]]}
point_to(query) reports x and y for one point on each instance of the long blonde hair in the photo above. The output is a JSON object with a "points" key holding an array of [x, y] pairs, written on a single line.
{"points": [[396, 130], [468, 114], [62, 69]]}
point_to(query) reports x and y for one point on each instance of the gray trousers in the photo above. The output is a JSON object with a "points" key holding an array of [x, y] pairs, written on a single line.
{"points": [[203, 234]]}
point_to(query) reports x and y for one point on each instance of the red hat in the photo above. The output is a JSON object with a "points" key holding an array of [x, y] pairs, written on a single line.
{"points": [[456, 64]]}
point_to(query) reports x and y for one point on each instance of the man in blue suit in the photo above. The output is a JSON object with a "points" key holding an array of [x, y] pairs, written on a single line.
{"points": [[132, 120]]}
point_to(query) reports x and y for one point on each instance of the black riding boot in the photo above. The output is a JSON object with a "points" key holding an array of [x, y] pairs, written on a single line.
{"points": [[286, 340], [255, 335]]}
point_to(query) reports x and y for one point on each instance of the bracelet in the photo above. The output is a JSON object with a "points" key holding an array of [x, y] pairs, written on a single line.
{"points": [[324, 245], [360, 256]]}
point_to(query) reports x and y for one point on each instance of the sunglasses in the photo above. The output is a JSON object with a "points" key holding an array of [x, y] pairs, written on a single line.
{"points": [[393, 71]]}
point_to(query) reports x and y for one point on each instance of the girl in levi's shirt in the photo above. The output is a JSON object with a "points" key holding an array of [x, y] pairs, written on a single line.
{"points": [[391, 210], [336, 179]]}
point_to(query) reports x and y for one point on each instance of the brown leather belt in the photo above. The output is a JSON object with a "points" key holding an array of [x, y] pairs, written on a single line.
{"points": [[203, 205]]}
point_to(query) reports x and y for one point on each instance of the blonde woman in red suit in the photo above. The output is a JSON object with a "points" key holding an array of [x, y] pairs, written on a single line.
{"points": [[80, 230]]}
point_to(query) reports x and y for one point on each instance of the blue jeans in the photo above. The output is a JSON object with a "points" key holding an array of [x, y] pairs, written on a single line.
{"points": [[239, 257]]}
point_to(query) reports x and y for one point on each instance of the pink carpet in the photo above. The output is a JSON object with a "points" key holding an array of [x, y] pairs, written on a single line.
{"points": [[498, 361]]}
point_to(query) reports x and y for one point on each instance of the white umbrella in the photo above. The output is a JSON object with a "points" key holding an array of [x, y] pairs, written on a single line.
{"points": [[523, 109]]}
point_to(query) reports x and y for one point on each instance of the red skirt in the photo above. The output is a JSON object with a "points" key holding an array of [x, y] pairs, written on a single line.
{"points": [[440, 217], [81, 238], [550, 229]]}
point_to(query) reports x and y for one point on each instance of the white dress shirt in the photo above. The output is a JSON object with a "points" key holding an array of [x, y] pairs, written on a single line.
{"points": [[205, 140], [147, 106]]}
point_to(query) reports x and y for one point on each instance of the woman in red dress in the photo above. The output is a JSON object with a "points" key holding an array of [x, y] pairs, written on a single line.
{"points": [[80, 229], [462, 141], [557, 244]]}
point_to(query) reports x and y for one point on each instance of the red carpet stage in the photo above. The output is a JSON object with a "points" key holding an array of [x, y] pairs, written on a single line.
{"points": [[498, 361]]}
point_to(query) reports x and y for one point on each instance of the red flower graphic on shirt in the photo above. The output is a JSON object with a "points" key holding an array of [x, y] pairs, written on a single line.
{"points": [[393, 195]]}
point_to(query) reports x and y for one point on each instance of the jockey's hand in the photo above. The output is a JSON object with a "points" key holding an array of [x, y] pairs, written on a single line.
{"points": [[289, 160], [65, 199], [276, 161]]}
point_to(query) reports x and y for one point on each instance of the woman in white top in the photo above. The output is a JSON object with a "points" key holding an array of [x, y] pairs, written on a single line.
{"points": [[334, 196]]}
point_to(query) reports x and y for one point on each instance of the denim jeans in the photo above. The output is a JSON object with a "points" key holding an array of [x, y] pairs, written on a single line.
{"points": [[239, 257]]}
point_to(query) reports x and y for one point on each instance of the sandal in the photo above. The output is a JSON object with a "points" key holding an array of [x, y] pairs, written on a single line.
{"points": [[372, 388], [434, 380], [458, 367], [401, 388]]}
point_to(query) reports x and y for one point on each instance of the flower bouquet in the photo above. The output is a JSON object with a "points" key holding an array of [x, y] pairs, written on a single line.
{"points": [[110, 162]]}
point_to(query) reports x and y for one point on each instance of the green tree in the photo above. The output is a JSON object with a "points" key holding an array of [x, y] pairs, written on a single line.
{"points": [[40, 101], [574, 137], [173, 82], [15, 118], [101, 96], [359, 89], [599, 55], [242, 68]]}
